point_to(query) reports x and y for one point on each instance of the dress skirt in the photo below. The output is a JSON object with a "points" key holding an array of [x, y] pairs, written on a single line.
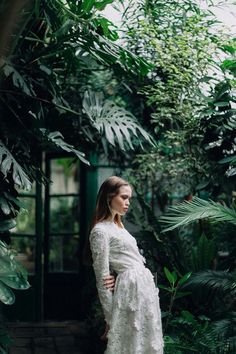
{"points": [[135, 326]]}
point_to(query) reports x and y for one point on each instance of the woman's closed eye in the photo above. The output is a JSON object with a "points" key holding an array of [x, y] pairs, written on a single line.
{"points": [[125, 197]]}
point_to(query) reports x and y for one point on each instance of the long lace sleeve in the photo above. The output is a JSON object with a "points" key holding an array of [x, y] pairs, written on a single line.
{"points": [[99, 243]]}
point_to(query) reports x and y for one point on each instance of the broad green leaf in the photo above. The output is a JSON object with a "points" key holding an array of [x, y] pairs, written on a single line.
{"points": [[4, 206], [100, 5], [8, 164], [119, 125], [184, 278], [16, 201], [108, 28], [181, 294], [6, 294], [58, 139], [15, 281], [8, 224], [165, 288], [87, 5], [17, 79], [169, 276]]}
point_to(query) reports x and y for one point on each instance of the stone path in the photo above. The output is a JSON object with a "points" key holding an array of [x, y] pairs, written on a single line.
{"points": [[49, 338]]}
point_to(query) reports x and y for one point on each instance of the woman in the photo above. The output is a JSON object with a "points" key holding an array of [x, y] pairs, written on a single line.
{"points": [[132, 311]]}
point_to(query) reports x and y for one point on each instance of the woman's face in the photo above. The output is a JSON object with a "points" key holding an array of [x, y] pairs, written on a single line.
{"points": [[120, 203]]}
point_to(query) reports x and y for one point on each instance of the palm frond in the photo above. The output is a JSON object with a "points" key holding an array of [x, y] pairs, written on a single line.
{"points": [[212, 280], [223, 331], [115, 122], [188, 212]]}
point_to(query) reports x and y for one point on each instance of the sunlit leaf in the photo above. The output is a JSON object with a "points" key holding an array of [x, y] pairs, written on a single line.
{"points": [[119, 125]]}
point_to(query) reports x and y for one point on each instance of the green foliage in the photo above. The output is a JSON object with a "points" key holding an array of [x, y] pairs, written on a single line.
{"points": [[5, 341], [174, 290], [195, 334], [116, 123], [43, 81], [180, 41], [203, 254], [218, 119], [7, 161], [58, 139], [213, 281], [188, 212], [12, 275]]}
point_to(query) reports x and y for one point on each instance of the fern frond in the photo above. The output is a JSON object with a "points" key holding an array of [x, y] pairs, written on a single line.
{"points": [[188, 212]]}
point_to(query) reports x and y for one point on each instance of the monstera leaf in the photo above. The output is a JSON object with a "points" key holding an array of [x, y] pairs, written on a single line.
{"points": [[58, 139], [118, 125], [12, 275], [8, 164]]}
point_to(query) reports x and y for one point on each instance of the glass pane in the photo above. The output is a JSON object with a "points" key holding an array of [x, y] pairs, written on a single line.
{"points": [[25, 248], [64, 214], [63, 253], [26, 219], [64, 176]]}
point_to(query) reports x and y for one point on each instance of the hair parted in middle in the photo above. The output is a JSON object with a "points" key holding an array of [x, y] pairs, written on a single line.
{"points": [[109, 189]]}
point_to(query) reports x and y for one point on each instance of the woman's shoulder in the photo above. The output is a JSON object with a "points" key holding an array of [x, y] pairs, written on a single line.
{"points": [[99, 228]]}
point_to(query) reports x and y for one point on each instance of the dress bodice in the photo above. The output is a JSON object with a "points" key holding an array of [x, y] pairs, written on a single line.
{"points": [[123, 249], [113, 248]]}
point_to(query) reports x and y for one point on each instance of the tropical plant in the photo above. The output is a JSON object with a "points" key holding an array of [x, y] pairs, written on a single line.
{"points": [[5, 341], [183, 49], [116, 122], [219, 119], [12, 275], [190, 211], [58, 40], [214, 289], [174, 289]]}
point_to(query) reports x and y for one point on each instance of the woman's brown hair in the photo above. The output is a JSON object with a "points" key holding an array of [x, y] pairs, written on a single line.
{"points": [[108, 190]]}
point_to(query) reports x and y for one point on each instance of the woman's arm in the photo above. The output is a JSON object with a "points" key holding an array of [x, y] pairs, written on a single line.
{"points": [[99, 243]]}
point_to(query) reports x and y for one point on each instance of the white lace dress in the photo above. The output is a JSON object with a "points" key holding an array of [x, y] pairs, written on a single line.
{"points": [[132, 311]]}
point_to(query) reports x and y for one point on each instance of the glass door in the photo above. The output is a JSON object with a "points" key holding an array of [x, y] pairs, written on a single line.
{"points": [[61, 238]]}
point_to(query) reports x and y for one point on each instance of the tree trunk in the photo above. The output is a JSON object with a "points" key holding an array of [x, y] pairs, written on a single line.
{"points": [[12, 21]]}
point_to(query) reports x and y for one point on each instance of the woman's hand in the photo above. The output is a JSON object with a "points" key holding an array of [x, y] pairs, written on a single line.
{"points": [[104, 336], [109, 282]]}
